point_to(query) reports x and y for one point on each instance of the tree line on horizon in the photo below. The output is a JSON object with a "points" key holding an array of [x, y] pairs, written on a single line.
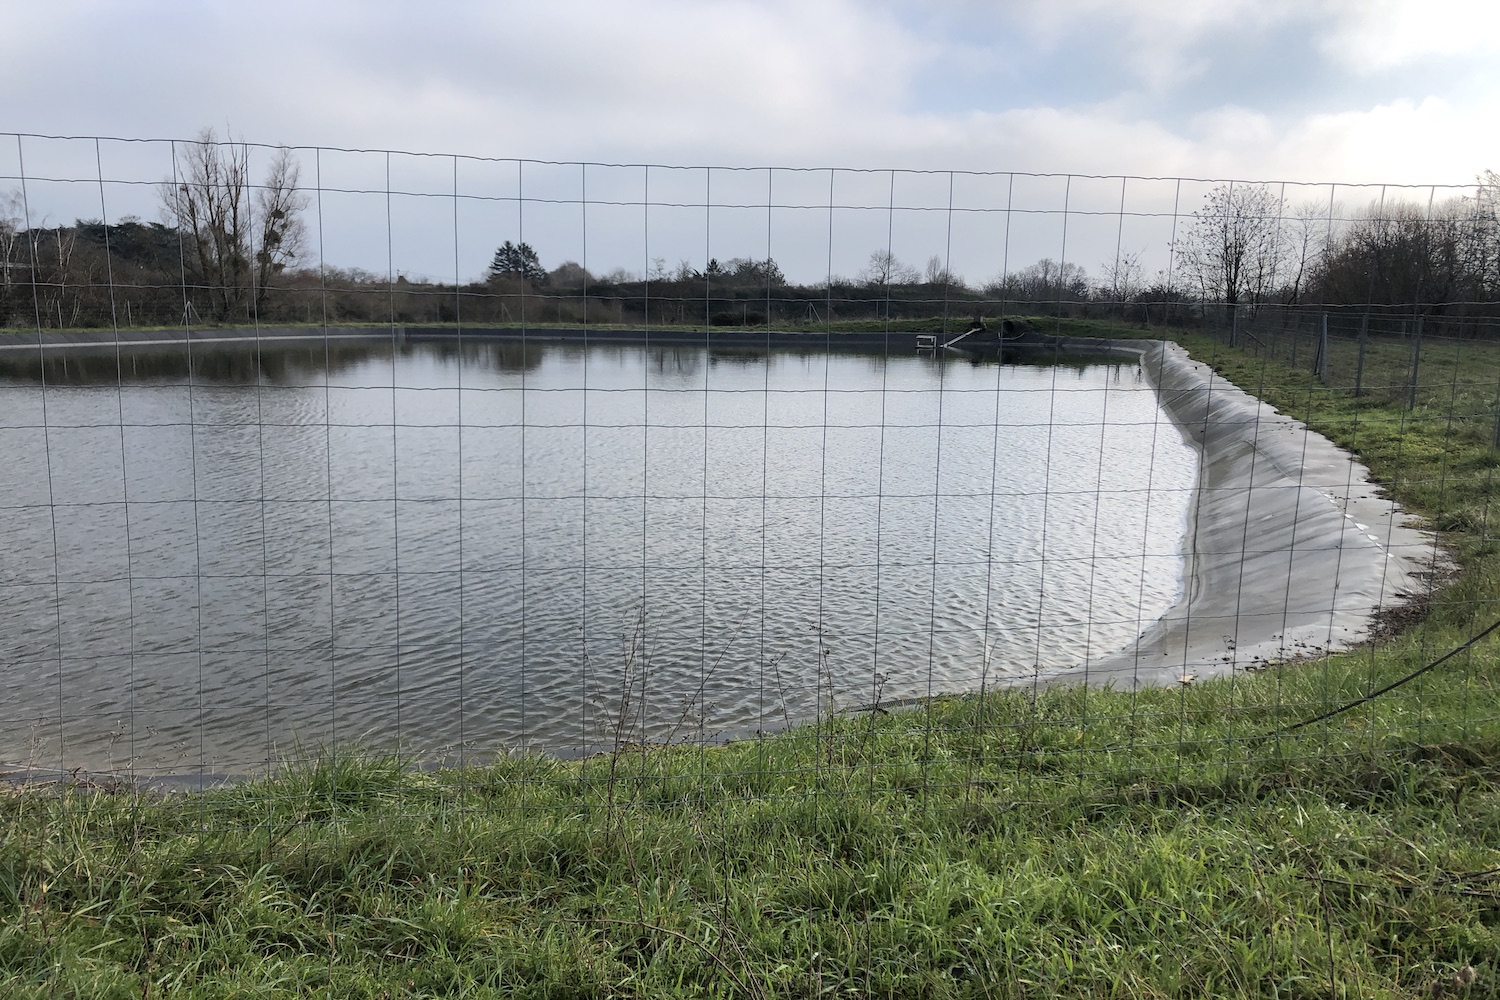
{"points": [[229, 250]]}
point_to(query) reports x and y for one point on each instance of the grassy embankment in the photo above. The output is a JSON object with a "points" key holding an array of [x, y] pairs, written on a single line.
{"points": [[1085, 843]]}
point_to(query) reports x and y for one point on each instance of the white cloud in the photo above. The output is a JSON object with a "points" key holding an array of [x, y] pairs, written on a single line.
{"points": [[565, 79], [1161, 41], [1370, 36], [1431, 141], [815, 82]]}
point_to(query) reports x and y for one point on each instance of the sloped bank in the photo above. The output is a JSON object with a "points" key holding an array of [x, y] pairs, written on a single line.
{"points": [[1290, 549]]}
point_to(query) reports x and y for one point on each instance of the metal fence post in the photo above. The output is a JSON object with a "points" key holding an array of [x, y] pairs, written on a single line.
{"points": [[1416, 363], [1320, 360], [1359, 368]]}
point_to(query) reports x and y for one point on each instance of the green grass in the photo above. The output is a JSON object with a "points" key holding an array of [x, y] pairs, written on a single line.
{"points": [[1088, 844], [1079, 843]]}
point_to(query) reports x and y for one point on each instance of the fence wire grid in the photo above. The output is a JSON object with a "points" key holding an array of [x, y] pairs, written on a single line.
{"points": [[716, 498], [668, 455]]}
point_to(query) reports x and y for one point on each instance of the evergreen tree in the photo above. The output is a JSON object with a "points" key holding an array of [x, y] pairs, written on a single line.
{"points": [[514, 260]]}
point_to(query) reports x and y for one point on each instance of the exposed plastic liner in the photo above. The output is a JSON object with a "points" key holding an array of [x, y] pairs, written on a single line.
{"points": [[1290, 549]]}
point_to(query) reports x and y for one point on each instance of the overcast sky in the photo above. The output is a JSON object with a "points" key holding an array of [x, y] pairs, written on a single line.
{"points": [[1352, 91]]}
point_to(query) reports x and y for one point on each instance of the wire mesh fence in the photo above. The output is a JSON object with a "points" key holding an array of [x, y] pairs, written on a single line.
{"points": [[689, 502]]}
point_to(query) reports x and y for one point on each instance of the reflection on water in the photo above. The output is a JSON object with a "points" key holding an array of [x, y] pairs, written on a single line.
{"points": [[214, 561]]}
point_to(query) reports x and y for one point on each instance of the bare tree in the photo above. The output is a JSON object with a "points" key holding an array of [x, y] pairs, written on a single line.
{"points": [[1399, 253], [12, 224], [939, 273], [1306, 239], [53, 288], [278, 218], [236, 237], [1045, 281], [1121, 279], [1483, 235], [55, 284], [1232, 249], [885, 268]]}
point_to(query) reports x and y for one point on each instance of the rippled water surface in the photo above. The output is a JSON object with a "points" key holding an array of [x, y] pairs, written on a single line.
{"points": [[455, 550]]}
